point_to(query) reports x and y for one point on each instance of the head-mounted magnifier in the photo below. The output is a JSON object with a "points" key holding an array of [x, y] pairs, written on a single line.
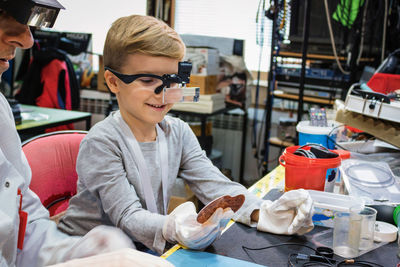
{"points": [[36, 13], [173, 86]]}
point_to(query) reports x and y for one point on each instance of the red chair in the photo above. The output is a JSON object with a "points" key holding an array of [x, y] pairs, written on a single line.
{"points": [[52, 158]]}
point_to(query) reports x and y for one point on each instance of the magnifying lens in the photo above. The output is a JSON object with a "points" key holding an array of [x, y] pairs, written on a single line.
{"points": [[183, 94], [36, 13], [174, 86]]}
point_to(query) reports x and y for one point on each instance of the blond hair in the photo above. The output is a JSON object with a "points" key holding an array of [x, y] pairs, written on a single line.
{"points": [[140, 34]]}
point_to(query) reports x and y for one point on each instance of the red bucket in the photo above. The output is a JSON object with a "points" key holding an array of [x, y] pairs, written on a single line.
{"points": [[308, 173]]}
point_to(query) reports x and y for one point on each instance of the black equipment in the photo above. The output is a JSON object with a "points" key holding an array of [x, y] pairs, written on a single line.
{"points": [[36, 13]]}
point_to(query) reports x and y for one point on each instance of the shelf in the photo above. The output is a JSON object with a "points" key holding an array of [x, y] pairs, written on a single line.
{"points": [[308, 86], [318, 56], [307, 99], [278, 142], [312, 81], [388, 131]]}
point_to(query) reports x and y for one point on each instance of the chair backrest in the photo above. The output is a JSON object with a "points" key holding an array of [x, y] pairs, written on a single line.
{"points": [[52, 158]]}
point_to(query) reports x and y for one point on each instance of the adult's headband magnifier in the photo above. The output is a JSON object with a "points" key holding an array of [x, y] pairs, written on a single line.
{"points": [[36, 13]]}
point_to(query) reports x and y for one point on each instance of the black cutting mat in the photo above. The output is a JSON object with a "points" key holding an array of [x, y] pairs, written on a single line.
{"points": [[238, 235]]}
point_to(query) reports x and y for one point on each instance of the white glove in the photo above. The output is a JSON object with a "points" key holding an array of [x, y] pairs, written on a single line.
{"points": [[182, 226], [122, 258], [100, 239], [290, 214]]}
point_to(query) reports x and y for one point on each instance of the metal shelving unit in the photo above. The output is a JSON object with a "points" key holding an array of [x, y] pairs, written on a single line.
{"points": [[302, 81]]}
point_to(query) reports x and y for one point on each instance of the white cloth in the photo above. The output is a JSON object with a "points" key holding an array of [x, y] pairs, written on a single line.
{"points": [[182, 226], [43, 243], [290, 214]]}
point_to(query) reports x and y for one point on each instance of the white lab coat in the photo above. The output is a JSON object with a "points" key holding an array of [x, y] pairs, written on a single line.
{"points": [[43, 243]]}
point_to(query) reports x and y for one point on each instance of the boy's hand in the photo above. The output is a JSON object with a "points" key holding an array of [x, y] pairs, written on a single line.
{"points": [[290, 214], [182, 226]]}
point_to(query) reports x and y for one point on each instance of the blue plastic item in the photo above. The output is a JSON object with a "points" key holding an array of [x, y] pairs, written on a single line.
{"points": [[192, 258], [316, 134], [321, 139]]}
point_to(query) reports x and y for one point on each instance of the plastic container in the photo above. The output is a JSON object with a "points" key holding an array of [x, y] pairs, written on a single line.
{"points": [[307, 173], [316, 134], [326, 204], [367, 227], [346, 235]]}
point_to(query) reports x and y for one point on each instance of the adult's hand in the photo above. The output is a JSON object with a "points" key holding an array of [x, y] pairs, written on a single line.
{"points": [[100, 239], [121, 258]]}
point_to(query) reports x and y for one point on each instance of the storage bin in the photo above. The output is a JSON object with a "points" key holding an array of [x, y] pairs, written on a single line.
{"points": [[326, 204]]}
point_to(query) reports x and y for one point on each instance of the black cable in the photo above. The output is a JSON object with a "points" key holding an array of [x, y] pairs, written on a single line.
{"points": [[317, 263], [293, 262], [290, 263], [261, 43], [280, 245], [258, 145], [329, 262], [352, 262], [334, 141]]}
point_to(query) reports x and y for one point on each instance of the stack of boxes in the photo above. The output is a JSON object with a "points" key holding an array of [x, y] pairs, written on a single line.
{"points": [[205, 62], [205, 70]]}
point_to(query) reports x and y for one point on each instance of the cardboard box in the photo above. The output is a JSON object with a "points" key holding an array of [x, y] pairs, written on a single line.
{"points": [[196, 128], [207, 84], [176, 200], [101, 83], [205, 60]]}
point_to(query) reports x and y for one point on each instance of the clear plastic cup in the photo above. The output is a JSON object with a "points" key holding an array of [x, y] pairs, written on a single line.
{"points": [[368, 219], [346, 234]]}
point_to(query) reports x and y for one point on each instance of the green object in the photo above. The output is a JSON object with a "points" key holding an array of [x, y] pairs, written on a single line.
{"points": [[396, 214], [347, 11]]}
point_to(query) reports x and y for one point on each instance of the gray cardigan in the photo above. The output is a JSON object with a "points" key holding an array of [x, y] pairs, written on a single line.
{"points": [[110, 192]]}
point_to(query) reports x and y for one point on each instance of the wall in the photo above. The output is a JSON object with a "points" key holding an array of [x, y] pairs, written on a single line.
{"points": [[95, 17]]}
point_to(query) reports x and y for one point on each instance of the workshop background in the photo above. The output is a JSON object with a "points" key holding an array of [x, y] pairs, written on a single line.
{"points": [[267, 72]]}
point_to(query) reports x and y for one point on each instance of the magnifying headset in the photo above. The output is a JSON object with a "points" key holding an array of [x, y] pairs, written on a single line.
{"points": [[172, 86], [36, 13]]}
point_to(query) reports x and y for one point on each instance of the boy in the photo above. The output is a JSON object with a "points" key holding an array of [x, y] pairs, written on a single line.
{"points": [[128, 163]]}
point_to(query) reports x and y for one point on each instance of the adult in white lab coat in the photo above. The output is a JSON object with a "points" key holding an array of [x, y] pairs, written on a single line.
{"points": [[27, 236]]}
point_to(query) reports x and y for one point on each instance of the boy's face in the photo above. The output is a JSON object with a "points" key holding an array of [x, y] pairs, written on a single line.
{"points": [[137, 100]]}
